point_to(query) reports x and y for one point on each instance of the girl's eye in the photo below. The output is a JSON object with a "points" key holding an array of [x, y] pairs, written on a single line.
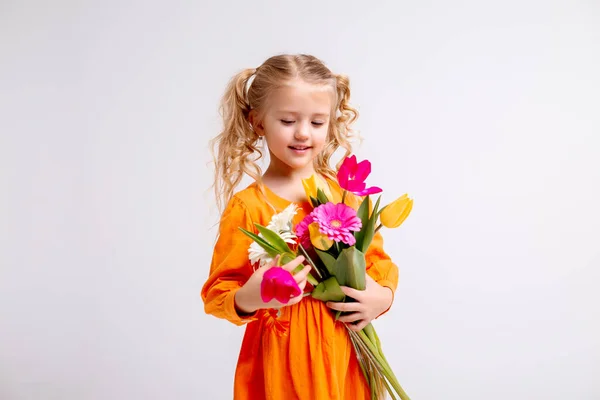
{"points": [[286, 122], [318, 123]]}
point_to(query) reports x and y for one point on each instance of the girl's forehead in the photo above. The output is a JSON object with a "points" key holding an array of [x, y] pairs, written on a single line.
{"points": [[302, 97]]}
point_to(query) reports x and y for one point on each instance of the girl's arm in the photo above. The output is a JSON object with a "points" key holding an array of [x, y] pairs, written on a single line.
{"points": [[381, 268], [230, 267]]}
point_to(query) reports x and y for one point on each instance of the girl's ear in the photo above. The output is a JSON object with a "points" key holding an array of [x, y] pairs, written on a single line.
{"points": [[256, 123]]}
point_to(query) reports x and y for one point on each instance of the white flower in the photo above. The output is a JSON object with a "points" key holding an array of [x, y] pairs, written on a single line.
{"points": [[257, 254], [282, 225]]}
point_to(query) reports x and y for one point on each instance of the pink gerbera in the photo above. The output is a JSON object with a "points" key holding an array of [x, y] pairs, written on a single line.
{"points": [[302, 231], [337, 221]]}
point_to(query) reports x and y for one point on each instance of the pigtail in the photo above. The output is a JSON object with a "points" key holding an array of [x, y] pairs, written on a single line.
{"points": [[233, 148]]}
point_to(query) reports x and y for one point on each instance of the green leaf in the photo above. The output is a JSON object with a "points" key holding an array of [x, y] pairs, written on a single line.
{"points": [[363, 214], [351, 268], [286, 258], [351, 271], [314, 202], [328, 290], [274, 239], [272, 251], [376, 210], [328, 260], [322, 197], [370, 229]]}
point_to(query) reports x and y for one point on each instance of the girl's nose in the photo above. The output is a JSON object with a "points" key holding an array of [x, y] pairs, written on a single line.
{"points": [[302, 133]]}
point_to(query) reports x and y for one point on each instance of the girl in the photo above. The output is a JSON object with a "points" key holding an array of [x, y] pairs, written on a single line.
{"points": [[301, 110]]}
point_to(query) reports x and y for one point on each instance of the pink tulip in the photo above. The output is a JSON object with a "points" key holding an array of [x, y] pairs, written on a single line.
{"points": [[278, 284], [352, 176]]}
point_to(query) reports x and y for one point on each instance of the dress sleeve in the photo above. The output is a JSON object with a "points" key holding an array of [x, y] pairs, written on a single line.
{"points": [[230, 267], [381, 267]]}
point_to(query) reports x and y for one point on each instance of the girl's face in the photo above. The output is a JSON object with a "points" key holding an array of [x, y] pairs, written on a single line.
{"points": [[295, 125]]}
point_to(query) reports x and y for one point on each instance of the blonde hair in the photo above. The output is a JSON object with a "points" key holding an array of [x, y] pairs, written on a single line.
{"points": [[237, 146]]}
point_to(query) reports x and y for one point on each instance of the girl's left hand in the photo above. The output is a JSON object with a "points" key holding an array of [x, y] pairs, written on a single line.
{"points": [[370, 303]]}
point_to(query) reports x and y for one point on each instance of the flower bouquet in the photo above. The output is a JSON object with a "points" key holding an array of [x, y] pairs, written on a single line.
{"points": [[334, 239]]}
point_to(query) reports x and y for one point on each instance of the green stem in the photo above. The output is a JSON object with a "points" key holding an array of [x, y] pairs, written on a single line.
{"points": [[378, 344], [389, 389], [370, 369], [370, 331], [385, 366], [378, 228], [310, 261]]}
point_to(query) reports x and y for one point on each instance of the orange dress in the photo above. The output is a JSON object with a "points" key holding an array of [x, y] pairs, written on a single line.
{"points": [[303, 353]]}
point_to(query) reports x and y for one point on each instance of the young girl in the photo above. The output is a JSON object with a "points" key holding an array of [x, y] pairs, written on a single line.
{"points": [[301, 110]]}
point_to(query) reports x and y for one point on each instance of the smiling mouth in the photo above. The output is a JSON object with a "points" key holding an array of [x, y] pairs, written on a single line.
{"points": [[299, 147]]}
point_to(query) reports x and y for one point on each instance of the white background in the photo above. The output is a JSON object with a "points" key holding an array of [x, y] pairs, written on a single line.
{"points": [[486, 113]]}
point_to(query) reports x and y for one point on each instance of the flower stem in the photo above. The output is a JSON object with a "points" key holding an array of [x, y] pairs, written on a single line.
{"points": [[310, 261], [337, 247], [384, 366], [378, 228], [343, 196]]}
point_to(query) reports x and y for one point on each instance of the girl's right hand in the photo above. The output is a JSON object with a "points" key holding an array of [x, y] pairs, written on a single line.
{"points": [[247, 298]]}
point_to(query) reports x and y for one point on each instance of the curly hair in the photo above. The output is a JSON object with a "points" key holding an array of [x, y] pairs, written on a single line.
{"points": [[236, 149]]}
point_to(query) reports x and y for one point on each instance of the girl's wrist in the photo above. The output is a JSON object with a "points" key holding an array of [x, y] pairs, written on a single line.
{"points": [[243, 302]]}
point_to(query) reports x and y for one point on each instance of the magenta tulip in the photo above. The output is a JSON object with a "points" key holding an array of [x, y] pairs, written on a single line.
{"points": [[278, 284], [352, 176]]}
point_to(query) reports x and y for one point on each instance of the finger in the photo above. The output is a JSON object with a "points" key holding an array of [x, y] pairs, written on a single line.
{"points": [[296, 299], [345, 306], [350, 318], [302, 284], [293, 264], [355, 294], [356, 326], [303, 274], [360, 326]]}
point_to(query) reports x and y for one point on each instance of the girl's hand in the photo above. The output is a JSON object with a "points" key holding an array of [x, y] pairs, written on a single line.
{"points": [[370, 303], [247, 298]]}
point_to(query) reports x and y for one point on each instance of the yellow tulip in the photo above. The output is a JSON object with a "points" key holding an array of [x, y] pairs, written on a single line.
{"points": [[310, 187], [312, 184], [394, 214], [319, 240]]}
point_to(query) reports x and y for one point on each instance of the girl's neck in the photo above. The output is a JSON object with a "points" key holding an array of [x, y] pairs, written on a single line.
{"points": [[287, 184], [277, 174]]}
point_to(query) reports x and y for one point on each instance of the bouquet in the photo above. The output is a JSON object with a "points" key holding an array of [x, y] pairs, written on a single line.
{"points": [[334, 239]]}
